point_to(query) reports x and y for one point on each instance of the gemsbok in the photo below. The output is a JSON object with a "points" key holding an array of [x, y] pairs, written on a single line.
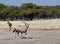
{"points": [[22, 31]]}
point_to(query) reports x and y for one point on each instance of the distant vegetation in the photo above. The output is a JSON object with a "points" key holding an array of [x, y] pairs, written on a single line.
{"points": [[29, 11]]}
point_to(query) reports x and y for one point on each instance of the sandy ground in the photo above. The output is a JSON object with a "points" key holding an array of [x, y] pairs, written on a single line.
{"points": [[37, 32], [33, 37]]}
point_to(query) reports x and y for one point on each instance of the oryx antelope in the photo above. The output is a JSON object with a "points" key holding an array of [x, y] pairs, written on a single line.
{"points": [[22, 31]]}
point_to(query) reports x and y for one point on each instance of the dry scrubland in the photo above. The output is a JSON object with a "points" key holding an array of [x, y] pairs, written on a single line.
{"points": [[37, 24], [38, 36]]}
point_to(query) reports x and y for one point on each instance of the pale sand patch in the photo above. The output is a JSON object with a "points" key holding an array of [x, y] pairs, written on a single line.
{"points": [[37, 24]]}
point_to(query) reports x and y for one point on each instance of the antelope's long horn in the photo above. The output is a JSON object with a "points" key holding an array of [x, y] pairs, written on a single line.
{"points": [[25, 23]]}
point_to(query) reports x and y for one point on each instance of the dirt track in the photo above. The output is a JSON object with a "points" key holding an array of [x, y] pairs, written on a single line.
{"points": [[38, 37]]}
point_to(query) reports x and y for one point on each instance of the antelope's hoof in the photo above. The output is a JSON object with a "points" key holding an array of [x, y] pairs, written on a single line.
{"points": [[24, 38]]}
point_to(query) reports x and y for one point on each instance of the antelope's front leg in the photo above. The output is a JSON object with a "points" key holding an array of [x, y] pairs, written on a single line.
{"points": [[26, 33], [10, 29]]}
